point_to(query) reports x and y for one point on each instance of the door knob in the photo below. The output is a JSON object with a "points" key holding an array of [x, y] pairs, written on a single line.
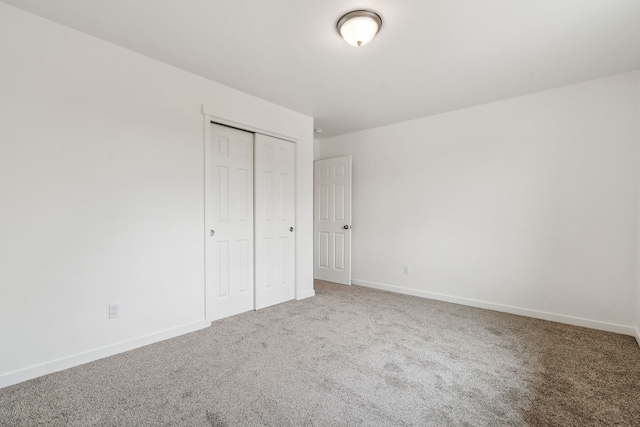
{"points": [[291, 229], [212, 232], [346, 227]]}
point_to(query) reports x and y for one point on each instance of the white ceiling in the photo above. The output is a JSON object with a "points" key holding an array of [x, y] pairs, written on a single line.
{"points": [[431, 56]]}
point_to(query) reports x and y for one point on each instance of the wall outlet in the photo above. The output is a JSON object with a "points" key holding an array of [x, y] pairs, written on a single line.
{"points": [[405, 269], [114, 311]]}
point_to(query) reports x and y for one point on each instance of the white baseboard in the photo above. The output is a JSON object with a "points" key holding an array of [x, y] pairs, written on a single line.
{"points": [[306, 294], [637, 334], [560, 318], [98, 353]]}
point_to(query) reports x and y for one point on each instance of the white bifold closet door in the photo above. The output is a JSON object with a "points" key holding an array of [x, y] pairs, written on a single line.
{"points": [[274, 220], [249, 219]]}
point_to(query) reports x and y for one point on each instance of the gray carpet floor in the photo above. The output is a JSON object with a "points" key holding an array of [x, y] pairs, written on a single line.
{"points": [[350, 356]]}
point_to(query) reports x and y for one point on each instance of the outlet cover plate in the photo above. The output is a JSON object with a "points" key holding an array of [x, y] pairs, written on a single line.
{"points": [[114, 311]]}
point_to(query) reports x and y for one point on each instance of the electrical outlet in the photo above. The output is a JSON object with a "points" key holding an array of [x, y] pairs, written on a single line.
{"points": [[405, 269], [114, 311]]}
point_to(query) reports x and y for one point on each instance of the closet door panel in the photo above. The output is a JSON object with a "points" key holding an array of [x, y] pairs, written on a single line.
{"points": [[274, 220], [229, 246]]}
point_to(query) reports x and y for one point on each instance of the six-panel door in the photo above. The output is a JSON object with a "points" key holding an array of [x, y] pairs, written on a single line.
{"points": [[332, 220], [229, 222], [274, 220]]}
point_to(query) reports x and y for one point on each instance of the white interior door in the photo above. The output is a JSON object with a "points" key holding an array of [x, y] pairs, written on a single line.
{"points": [[274, 220], [332, 220], [229, 222]]}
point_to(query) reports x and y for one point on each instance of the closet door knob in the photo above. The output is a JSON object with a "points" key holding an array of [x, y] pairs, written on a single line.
{"points": [[291, 229], [346, 227], [212, 233]]}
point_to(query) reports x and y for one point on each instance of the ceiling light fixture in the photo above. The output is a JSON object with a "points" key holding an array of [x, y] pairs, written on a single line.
{"points": [[359, 27]]}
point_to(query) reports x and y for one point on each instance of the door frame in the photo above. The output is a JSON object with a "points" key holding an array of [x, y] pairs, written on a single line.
{"points": [[208, 120]]}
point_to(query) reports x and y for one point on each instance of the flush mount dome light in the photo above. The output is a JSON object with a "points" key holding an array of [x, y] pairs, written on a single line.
{"points": [[359, 27]]}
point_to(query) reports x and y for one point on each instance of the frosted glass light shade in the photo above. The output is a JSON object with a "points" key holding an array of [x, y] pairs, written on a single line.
{"points": [[359, 27]]}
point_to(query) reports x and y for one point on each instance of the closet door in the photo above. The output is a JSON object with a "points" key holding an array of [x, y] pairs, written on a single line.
{"points": [[229, 222], [274, 220]]}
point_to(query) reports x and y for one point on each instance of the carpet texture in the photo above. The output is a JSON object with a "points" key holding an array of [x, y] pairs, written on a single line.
{"points": [[350, 356]]}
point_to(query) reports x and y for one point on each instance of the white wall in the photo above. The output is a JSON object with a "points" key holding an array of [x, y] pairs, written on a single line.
{"points": [[316, 149], [527, 205], [101, 189]]}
